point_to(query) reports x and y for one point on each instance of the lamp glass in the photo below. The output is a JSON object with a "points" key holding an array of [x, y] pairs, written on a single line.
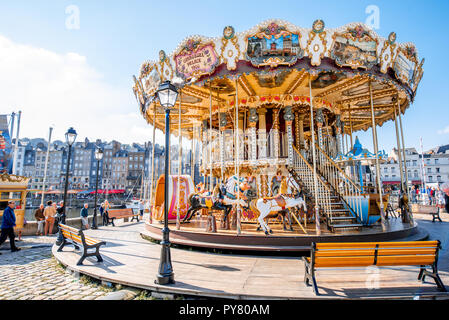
{"points": [[70, 136], [167, 94], [98, 154]]}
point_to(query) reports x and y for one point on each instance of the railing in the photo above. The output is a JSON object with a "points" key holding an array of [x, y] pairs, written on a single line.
{"points": [[306, 173], [340, 181], [265, 147]]}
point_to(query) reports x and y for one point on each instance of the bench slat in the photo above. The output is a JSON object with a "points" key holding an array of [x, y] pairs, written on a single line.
{"points": [[338, 245]]}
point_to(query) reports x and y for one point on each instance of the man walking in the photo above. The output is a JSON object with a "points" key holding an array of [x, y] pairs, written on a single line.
{"points": [[40, 218], [8, 224], [84, 216]]}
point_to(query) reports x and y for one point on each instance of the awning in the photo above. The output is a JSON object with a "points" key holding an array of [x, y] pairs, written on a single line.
{"points": [[86, 191], [391, 182], [113, 191]]}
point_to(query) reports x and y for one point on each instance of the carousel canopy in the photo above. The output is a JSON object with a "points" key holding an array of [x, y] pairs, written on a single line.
{"points": [[360, 154], [278, 64]]}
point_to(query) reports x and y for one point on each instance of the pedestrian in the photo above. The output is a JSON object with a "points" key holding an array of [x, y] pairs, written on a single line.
{"points": [[102, 212], [49, 213], [8, 224], [106, 213], [85, 216], [141, 208], [40, 218], [61, 212]]}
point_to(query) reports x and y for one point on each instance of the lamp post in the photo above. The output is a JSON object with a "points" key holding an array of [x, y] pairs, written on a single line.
{"points": [[167, 95], [70, 137], [98, 157]]}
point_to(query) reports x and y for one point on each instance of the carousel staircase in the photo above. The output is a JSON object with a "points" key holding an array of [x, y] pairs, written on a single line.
{"points": [[334, 210]]}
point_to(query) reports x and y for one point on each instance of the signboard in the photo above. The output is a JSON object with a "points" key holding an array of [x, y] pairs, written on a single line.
{"points": [[196, 60], [5, 146], [274, 46]]}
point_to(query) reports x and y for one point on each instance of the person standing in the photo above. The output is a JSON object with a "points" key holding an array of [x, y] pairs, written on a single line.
{"points": [[40, 218], [85, 216], [8, 224], [102, 212], [106, 213], [49, 213], [141, 208]]}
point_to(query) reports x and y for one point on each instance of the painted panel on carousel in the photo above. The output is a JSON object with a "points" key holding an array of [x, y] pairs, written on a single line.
{"points": [[196, 59], [355, 48], [273, 46], [186, 189], [405, 65]]}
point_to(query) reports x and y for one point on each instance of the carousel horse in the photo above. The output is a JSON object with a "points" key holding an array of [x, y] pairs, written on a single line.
{"points": [[223, 198], [272, 207]]}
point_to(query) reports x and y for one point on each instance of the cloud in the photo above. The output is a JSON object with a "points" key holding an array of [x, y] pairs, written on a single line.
{"points": [[64, 90], [444, 131]]}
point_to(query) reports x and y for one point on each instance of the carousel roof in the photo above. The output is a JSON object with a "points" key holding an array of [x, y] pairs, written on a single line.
{"points": [[268, 66], [360, 154]]}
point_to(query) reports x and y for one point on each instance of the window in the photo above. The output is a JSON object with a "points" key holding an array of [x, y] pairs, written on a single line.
{"points": [[385, 169], [437, 170], [415, 163], [439, 178], [429, 170], [430, 178], [393, 169], [436, 161]]}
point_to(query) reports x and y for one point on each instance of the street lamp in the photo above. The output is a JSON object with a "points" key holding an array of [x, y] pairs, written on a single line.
{"points": [[70, 137], [167, 95], [98, 157]]}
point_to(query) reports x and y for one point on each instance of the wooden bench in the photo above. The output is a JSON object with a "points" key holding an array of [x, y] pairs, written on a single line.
{"points": [[121, 213], [78, 238], [364, 254]]}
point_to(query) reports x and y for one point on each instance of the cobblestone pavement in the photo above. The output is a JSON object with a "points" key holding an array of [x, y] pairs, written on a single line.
{"points": [[33, 274]]}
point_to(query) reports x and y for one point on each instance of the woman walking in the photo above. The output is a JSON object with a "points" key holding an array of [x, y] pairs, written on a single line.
{"points": [[106, 213], [49, 213]]}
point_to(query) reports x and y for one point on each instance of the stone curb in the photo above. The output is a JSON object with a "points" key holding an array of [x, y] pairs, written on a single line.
{"points": [[124, 294]]}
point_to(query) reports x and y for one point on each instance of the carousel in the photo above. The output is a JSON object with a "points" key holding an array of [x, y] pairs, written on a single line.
{"points": [[268, 111]]}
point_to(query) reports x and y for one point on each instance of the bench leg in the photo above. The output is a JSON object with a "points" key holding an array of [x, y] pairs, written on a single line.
{"points": [[80, 261], [434, 275], [421, 272], [62, 245], [97, 254]]}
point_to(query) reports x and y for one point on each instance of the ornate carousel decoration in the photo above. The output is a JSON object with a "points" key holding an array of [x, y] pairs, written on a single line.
{"points": [[274, 105]]}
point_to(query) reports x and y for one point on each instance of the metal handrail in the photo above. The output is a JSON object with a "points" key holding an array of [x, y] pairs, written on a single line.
{"points": [[340, 181], [305, 170]]}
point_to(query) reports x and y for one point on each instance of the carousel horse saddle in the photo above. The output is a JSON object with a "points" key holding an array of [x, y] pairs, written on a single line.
{"points": [[208, 201], [279, 200]]}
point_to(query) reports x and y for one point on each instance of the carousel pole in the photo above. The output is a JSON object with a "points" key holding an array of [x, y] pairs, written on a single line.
{"points": [[405, 159], [315, 179], [210, 139], [192, 155], [399, 150], [376, 152], [237, 153], [221, 137], [150, 218], [350, 126], [178, 223]]}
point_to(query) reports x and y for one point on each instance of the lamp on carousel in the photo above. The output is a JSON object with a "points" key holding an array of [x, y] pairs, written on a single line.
{"points": [[70, 137], [98, 157], [167, 95]]}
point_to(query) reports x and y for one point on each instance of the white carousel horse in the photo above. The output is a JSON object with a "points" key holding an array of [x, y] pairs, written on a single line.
{"points": [[281, 202], [232, 186]]}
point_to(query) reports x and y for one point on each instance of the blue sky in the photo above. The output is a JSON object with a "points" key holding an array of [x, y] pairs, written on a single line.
{"points": [[115, 37]]}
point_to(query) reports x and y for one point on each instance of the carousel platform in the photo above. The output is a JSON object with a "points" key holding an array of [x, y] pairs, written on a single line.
{"points": [[192, 234], [132, 261]]}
